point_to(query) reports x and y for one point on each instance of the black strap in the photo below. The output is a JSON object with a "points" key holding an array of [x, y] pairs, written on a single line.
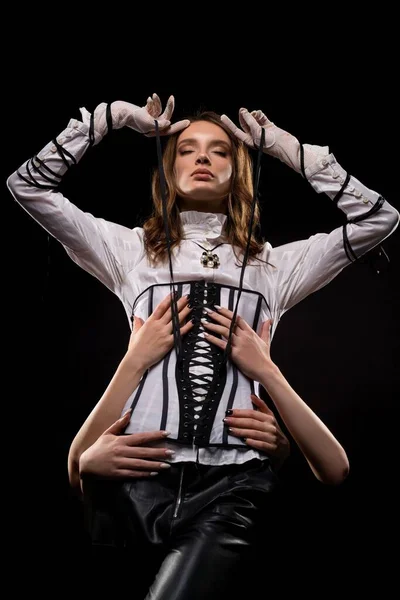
{"points": [[109, 118], [351, 255], [174, 307], [302, 161], [246, 254], [64, 153], [91, 130], [32, 181], [37, 170], [92, 137]]}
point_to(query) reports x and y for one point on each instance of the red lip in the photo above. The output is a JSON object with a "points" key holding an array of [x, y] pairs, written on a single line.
{"points": [[202, 172]]}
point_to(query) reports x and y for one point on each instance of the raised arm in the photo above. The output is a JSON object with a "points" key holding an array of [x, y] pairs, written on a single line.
{"points": [[302, 267], [100, 247]]}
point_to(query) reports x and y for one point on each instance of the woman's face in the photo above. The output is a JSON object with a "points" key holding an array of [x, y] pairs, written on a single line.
{"points": [[203, 165]]}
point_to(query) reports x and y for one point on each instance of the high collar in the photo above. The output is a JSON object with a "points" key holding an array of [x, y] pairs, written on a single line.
{"points": [[203, 225]]}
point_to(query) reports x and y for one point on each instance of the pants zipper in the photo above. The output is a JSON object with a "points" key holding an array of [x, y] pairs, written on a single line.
{"points": [[179, 496]]}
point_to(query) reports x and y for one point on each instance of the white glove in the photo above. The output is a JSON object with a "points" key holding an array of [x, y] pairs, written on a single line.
{"points": [[141, 119], [277, 143]]}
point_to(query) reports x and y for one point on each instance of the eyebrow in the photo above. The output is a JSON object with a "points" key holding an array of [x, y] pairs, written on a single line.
{"points": [[213, 143]]}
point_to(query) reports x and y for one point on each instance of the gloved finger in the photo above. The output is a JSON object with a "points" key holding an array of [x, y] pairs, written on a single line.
{"points": [[178, 126], [170, 129], [157, 103], [169, 109], [151, 108], [241, 135], [261, 118], [250, 121], [163, 124], [145, 122], [243, 123]]}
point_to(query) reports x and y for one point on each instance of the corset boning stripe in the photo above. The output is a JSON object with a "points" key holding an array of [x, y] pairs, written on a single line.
{"points": [[165, 406], [255, 327]]}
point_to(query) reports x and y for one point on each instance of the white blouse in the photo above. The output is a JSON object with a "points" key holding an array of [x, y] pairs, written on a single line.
{"points": [[115, 255]]}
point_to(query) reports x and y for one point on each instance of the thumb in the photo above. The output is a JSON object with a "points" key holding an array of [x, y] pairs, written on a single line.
{"points": [[265, 334], [137, 323], [261, 404], [119, 426]]}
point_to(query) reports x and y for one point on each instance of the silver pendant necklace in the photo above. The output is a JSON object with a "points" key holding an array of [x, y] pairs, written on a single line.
{"points": [[208, 259]]}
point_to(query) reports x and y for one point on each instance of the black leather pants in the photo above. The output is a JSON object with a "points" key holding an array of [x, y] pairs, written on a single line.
{"points": [[186, 532]]}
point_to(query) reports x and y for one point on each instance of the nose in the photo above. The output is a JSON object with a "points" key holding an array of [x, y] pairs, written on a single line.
{"points": [[202, 159]]}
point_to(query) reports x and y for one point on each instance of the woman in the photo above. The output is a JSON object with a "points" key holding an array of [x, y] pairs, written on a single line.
{"points": [[204, 207]]}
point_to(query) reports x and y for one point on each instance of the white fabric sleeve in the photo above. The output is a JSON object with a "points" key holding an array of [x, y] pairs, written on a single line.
{"points": [[302, 267], [104, 249]]}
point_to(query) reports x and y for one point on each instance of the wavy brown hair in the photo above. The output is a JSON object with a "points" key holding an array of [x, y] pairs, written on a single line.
{"points": [[239, 202]]}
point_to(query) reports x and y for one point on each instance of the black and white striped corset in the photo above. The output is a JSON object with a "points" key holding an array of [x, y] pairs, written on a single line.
{"points": [[190, 397]]}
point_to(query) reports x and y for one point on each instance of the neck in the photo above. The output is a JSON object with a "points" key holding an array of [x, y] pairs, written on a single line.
{"points": [[208, 206]]}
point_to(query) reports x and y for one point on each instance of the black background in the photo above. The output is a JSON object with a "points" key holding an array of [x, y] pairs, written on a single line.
{"points": [[338, 348]]}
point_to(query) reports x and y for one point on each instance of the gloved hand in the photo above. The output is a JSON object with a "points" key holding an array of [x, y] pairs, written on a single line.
{"points": [[277, 143], [141, 119]]}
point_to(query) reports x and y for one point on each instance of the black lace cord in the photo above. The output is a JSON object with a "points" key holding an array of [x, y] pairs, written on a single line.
{"points": [[32, 181], [64, 153], [174, 307], [37, 170], [227, 350], [204, 356], [46, 167], [351, 255]]}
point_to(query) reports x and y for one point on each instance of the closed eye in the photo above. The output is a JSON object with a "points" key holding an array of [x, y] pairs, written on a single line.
{"points": [[219, 152]]}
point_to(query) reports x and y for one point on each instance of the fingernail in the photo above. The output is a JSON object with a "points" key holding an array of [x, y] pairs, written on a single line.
{"points": [[154, 473], [165, 466], [165, 433], [217, 307], [170, 452]]}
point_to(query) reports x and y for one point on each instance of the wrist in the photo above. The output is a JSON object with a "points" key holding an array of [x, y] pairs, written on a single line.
{"points": [[132, 365], [121, 112], [82, 465], [269, 375]]}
